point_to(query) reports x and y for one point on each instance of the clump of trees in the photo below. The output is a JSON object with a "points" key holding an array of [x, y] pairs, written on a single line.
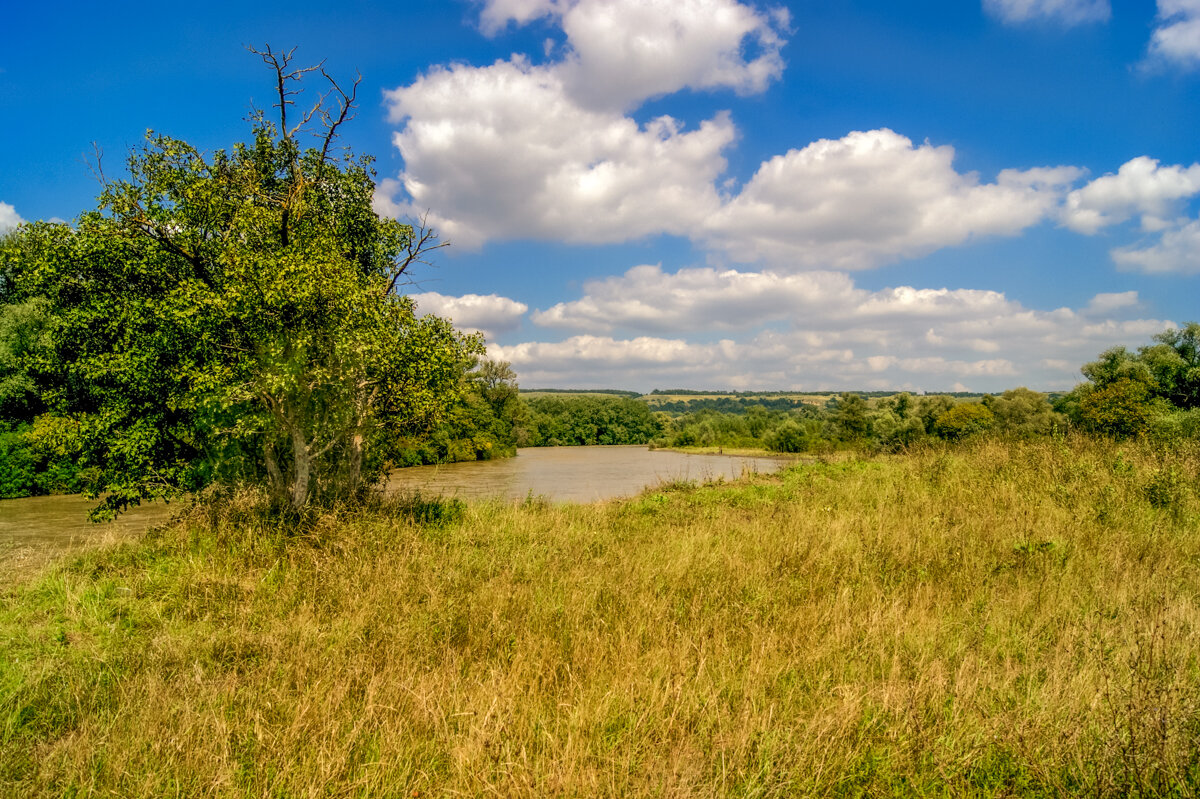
{"points": [[227, 317], [888, 422], [583, 420], [485, 422], [1153, 392]]}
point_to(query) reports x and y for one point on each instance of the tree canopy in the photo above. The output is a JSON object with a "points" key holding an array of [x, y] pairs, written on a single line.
{"points": [[235, 316], [1130, 393]]}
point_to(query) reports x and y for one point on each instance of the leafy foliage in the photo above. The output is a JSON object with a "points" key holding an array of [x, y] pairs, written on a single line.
{"points": [[234, 317], [582, 420], [484, 423], [963, 420], [1150, 392]]}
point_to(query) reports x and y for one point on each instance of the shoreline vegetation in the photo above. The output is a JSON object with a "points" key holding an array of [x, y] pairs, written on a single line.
{"points": [[991, 618]]}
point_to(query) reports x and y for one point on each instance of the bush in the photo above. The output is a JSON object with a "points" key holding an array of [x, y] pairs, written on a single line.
{"points": [[1122, 409], [963, 420], [789, 437]]}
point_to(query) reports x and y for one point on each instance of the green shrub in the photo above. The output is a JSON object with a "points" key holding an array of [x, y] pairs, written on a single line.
{"points": [[963, 420]]}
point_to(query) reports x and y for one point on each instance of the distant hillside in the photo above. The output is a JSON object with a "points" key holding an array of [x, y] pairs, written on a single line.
{"points": [[598, 392]]}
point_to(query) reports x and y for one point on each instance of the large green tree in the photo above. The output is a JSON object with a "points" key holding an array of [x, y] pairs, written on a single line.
{"points": [[1129, 394], [236, 316]]}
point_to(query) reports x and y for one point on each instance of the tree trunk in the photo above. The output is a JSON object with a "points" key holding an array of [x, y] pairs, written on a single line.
{"points": [[303, 459], [354, 467], [278, 486]]}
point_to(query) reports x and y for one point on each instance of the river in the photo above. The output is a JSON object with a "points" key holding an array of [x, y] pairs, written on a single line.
{"points": [[574, 474], [34, 528]]}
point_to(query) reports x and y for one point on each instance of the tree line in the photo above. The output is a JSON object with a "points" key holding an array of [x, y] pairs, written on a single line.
{"points": [[1153, 392]]}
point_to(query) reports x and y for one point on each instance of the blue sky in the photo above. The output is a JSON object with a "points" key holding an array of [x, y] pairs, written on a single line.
{"points": [[970, 194]]}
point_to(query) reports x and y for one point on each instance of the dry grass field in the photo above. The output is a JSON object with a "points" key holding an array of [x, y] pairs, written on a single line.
{"points": [[996, 619]]}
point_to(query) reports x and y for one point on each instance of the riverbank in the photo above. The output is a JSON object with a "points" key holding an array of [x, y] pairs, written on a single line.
{"points": [[743, 452], [999, 619]]}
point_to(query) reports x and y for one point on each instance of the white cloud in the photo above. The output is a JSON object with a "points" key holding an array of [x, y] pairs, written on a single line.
{"points": [[498, 13], [814, 330], [621, 52], [519, 150], [1178, 250], [626, 51], [792, 359], [1107, 303], [547, 151], [1176, 39], [1067, 12], [873, 197], [489, 314], [646, 299], [504, 152], [1140, 187], [9, 218]]}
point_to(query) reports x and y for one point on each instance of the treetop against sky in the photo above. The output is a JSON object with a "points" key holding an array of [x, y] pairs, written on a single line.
{"points": [[703, 193]]}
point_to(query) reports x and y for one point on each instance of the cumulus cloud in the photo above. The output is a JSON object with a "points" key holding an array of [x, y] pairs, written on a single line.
{"points": [[548, 151], [791, 359], [9, 218], [1178, 251], [498, 13], [518, 150], [814, 330], [646, 299], [1067, 12], [1140, 187], [505, 152], [1176, 38], [489, 314], [1107, 303], [621, 52], [1156, 194], [873, 197]]}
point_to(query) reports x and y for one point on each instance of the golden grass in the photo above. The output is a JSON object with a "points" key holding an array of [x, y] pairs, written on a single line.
{"points": [[999, 619]]}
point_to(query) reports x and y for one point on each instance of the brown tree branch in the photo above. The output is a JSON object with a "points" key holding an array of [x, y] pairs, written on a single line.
{"points": [[279, 63], [345, 105], [423, 241]]}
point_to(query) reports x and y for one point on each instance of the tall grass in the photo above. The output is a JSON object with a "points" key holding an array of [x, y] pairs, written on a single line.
{"points": [[997, 619]]}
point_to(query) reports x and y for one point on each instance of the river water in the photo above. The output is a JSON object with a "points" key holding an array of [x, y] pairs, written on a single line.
{"points": [[34, 528], [573, 474]]}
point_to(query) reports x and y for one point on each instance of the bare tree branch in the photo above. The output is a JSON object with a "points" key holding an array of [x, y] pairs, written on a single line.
{"points": [[421, 243], [345, 105], [95, 164], [279, 62]]}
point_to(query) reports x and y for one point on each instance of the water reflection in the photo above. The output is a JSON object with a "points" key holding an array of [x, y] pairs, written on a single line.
{"points": [[574, 474]]}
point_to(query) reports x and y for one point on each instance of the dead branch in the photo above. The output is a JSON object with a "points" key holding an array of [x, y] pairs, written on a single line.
{"points": [[345, 105], [279, 63], [95, 164], [421, 243]]}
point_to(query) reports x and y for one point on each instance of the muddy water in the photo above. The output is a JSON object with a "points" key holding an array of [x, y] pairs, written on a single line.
{"points": [[573, 474], [34, 528]]}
